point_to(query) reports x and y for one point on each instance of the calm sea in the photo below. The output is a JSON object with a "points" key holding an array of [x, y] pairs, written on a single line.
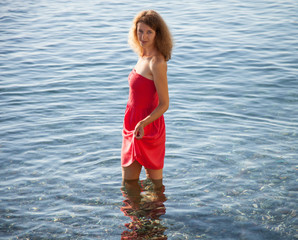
{"points": [[232, 126]]}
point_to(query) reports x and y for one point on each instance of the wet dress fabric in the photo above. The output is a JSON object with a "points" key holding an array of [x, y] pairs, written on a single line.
{"points": [[150, 150]]}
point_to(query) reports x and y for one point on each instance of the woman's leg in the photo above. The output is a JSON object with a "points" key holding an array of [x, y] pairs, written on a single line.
{"points": [[155, 176], [132, 172], [133, 190]]}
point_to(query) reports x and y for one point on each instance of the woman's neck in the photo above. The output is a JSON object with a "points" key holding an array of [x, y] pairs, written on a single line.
{"points": [[149, 52]]}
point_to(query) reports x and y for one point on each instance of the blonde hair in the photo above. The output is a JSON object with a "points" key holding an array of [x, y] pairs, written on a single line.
{"points": [[163, 38]]}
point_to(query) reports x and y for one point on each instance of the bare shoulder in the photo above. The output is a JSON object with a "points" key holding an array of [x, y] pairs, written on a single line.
{"points": [[158, 65]]}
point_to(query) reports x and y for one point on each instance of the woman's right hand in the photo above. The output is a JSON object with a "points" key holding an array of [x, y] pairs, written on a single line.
{"points": [[139, 131]]}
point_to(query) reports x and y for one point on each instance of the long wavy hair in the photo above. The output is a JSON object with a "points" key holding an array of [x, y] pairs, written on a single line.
{"points": [[163, 38]]}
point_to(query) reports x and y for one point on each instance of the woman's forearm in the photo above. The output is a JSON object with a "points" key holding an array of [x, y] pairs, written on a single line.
{"points": [[157, 113]]}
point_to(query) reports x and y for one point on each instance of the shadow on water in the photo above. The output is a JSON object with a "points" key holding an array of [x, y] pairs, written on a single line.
{"points": [[144, 205]]}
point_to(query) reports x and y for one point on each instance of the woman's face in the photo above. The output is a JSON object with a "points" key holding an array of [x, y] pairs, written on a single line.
{"points": [[146, 35]]}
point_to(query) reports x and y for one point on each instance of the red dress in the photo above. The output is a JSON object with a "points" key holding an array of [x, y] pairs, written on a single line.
{"points": [[150, 150]]}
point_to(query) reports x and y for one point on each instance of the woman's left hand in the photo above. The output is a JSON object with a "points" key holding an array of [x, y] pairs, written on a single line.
{"points": [[139, 131]]}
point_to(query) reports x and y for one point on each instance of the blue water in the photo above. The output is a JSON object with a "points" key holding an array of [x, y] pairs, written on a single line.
{"points": [[231, 152]]}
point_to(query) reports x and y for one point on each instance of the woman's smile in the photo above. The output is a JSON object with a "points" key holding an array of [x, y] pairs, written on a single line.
{"points": [[146, 35]]}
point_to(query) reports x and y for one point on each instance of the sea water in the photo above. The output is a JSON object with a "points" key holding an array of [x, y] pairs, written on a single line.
{"points": [[231, 152]]}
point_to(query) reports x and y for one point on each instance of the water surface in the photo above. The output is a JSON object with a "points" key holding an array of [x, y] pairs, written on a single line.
{"points": [[231, 158]]}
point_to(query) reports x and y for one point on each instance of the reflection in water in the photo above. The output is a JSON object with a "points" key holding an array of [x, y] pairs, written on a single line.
{"points": [[144, 204]]}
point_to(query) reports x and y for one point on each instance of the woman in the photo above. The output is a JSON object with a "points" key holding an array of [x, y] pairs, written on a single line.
{"points": [[144, 128]]}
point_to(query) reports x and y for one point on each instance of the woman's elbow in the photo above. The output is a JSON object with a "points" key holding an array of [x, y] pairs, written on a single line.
{"points": [[165, 106]]}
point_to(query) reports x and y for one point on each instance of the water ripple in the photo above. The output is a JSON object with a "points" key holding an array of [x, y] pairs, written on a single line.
{"points": [[231, 159]]}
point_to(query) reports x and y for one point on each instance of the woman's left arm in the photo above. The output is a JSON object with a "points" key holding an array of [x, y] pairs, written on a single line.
{"points": [[159, 71]]}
